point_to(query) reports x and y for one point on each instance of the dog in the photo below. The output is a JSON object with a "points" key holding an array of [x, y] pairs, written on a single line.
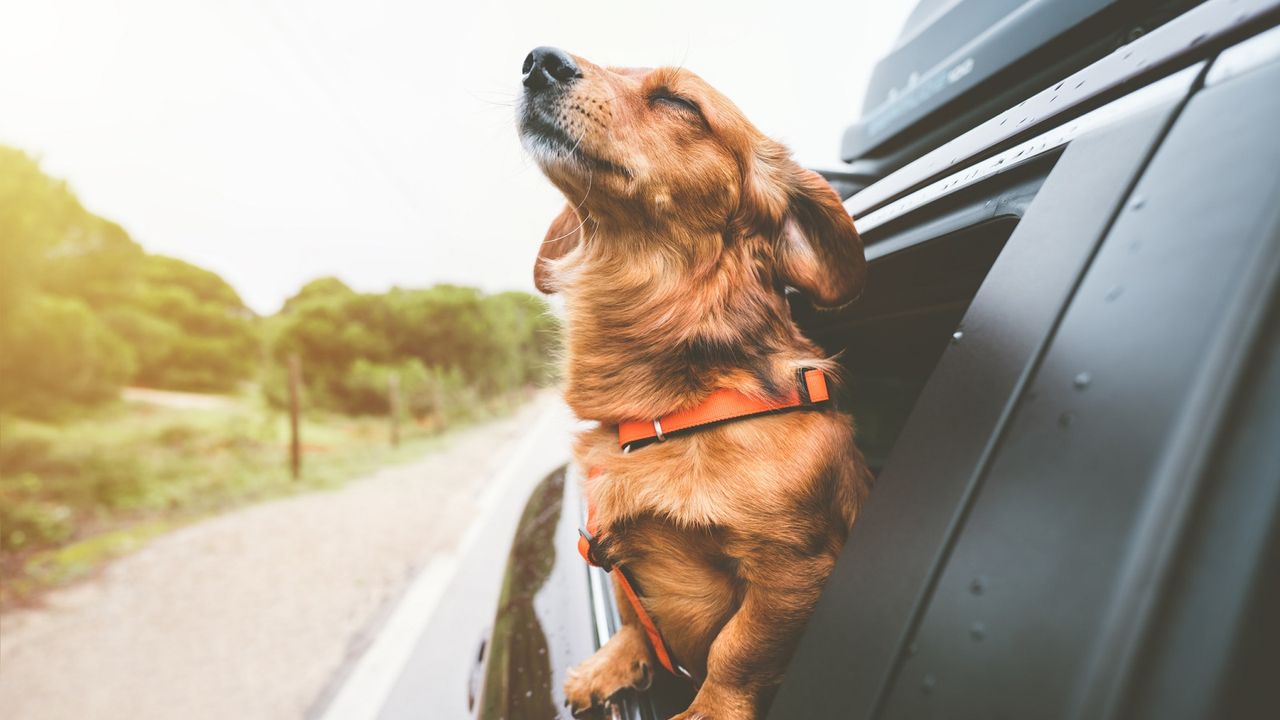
{"points": [[683, 228]]}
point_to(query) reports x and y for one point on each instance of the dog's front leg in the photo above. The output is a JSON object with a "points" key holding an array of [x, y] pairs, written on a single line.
{"points": [[748, 657], [625, 661]]}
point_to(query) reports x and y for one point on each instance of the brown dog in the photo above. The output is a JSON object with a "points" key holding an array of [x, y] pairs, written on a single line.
{"points": [[684, 226]]}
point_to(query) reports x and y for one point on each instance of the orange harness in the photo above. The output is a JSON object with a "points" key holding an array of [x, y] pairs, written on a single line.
{"points": [[720, 406]]}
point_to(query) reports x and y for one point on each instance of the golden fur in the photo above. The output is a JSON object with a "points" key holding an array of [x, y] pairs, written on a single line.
{"points": [[683, 227]]}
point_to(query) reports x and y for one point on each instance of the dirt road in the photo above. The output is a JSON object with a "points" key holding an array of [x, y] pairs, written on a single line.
{"points": [[251, 614]]}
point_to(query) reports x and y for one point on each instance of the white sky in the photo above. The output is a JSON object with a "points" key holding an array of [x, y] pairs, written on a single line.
{"points": [[275, 142]]}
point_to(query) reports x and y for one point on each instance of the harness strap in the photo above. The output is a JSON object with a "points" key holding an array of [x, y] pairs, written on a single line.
{"points": [[725, 404], [587, 541], [721, 406]]}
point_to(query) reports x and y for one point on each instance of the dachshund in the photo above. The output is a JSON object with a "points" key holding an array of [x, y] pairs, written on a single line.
{"points": [[684, 227]]}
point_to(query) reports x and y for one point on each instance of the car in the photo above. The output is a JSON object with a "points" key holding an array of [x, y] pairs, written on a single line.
{"points": [[1065, 372]]}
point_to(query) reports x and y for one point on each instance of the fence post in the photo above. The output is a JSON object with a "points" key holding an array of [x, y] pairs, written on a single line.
{"points": [[295, 442], [393, 402]]}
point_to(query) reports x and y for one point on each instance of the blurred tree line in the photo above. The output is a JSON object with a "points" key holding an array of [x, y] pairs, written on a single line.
{"points": [[449, 347], [85, 310]]}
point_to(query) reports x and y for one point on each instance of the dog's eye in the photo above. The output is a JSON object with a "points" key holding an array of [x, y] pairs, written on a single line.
{"points": [[675, 101]]}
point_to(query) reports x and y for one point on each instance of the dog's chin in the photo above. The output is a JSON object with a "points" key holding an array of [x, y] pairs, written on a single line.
{"points": [[562, 156], [550, 153]]}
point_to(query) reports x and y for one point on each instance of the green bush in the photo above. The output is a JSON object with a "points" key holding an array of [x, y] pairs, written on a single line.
{"points": [[34, 523], [452, 348], [57, 355]]}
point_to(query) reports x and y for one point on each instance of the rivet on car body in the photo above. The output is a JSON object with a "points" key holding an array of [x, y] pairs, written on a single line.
{"points": [[928, 683], [978, 585], [978, 631], [956, 336], [1082, 380]]}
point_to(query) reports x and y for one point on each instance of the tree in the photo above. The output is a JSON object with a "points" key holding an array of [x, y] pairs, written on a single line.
{"points": [[319, 288], [84, 309], [448, 345]]}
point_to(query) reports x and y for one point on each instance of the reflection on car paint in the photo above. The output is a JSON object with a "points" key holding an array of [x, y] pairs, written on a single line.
{"points": [[519, 681]]}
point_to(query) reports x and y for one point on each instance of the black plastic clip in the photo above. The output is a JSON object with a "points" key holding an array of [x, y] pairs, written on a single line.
{"points": [[802, 385]]}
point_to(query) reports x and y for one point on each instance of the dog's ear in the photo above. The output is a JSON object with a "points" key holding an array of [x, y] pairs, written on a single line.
{"points": [[818, 251], [563, 236]]}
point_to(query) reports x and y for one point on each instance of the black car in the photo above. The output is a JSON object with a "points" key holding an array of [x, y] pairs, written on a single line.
{"points": [[1065, 371]]}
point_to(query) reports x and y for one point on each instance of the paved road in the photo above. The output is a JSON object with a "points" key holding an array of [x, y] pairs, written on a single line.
{"points": [[420, 664]]}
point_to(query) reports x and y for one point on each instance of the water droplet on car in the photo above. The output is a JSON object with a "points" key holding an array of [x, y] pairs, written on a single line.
{"points": [[978, 585], [1082, 380], [978, 631]]}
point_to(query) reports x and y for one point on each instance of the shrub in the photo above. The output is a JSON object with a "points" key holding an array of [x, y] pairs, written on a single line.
{"points": [[57, 355], [452, 348], [34, 523]]}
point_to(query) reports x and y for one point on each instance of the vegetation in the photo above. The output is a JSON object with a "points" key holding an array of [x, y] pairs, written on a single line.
{"points": [[85, 311], [449, 347], [76, 492]]}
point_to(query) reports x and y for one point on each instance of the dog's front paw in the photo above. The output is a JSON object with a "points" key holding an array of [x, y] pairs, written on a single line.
{"points": [[623, 663]]}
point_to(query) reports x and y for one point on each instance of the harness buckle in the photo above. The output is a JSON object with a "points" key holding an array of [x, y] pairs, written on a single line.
{"points": [[657, 428]]}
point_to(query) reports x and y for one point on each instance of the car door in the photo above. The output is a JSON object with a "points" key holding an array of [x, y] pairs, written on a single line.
{"points": [[1025, 552]]}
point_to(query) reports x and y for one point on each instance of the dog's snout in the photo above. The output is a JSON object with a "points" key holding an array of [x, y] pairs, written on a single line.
{"points": [[547, 66]]}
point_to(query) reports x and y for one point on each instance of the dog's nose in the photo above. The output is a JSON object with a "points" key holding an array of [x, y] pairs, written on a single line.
{"points": [[548, 66]]}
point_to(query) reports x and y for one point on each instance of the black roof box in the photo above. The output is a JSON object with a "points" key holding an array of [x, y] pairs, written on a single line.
{"points": [[959, 62]]}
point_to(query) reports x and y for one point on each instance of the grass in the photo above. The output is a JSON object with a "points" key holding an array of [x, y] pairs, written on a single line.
{"points": [[76, 494]]}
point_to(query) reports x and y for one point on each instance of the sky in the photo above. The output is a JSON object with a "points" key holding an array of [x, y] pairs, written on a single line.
{"points": [[275, 142]]}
